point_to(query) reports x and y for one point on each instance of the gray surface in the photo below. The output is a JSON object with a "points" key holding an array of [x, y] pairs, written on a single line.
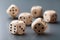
{"points": [[53, 31]]}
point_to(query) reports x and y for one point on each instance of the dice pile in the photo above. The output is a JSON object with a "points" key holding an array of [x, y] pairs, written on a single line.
{"points": [[25, 18]]}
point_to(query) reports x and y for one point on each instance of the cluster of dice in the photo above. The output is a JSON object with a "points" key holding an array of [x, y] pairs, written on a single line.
{"points": [[25, 18]]}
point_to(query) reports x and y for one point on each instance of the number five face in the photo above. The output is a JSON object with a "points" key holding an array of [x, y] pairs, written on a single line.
{"points": [[13, 10]]}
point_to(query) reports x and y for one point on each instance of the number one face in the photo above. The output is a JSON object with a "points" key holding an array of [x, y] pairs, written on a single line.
{"points": [[36, 11]]}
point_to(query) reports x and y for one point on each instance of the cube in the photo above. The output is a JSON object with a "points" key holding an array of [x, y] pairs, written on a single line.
{"points": [[50, 16], [17, 27], [36, 11], [13, 11], [39, 26], [26, 17]]}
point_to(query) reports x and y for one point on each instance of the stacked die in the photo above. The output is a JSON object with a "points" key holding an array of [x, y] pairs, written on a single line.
{"points": [[50, 16], [26, 17], [36, 11], [39, 26], [17, 27], [13, 11]]}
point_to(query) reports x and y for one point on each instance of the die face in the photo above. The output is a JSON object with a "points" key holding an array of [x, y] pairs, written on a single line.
{"points": [[29, 19], [13, 28], [36, 11], [54, 18], [39, 28], [13, 10], [47, 19], [21, 28]]}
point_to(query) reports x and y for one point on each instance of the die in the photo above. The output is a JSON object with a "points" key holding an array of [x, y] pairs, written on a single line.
{"points": [[50, 16], [26, 17], [13, 11], [17, 27], [36, 11], [39, 26]]}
